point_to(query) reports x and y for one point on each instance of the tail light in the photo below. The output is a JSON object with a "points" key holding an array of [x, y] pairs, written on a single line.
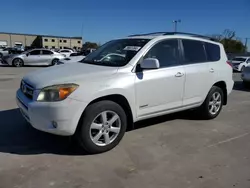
{"points": [[230, 64]]}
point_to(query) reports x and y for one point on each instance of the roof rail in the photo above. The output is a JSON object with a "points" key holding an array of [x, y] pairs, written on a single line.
{"points": [[176, 33]]}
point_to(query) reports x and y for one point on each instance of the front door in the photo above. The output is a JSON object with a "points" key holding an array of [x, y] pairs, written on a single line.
{"points": [[160, 90], [32, 58]]}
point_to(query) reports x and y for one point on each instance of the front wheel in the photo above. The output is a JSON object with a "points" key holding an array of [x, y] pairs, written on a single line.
{"points": [[17, 62], [102, 127], [213, 103]]}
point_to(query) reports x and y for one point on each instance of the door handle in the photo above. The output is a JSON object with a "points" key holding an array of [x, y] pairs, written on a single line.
{"points": [[211, 70], [179, 74]]}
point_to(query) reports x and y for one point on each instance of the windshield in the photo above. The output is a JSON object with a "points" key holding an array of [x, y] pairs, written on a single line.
{"points": [[239, 59], [115, 53]]}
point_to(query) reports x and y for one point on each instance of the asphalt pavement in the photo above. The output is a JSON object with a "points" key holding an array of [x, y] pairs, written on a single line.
{"points": [[174, 151]]}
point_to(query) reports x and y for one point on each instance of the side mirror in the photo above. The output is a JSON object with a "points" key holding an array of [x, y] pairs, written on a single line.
{"points": [[27, 54], [150, 63]]}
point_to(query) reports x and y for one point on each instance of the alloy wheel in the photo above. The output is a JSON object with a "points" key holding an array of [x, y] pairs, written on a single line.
{"points": [[105, 128], [215, 103]]}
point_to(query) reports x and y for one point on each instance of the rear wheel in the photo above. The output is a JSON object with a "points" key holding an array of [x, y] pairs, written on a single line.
{"points": [[54, 62], [102, 127], [17, 62], [213, 103]]}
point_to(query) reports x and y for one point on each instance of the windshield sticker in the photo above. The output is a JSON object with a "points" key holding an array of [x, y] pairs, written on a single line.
{"points": [[132, 48]]}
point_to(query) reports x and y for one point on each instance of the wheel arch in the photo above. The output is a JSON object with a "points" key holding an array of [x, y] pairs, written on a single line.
{"points": [[223, 86], [12, 62], [122, 101]]}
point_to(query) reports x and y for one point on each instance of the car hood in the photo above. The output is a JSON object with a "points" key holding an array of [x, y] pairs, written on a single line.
{"points": [[68, 73]]}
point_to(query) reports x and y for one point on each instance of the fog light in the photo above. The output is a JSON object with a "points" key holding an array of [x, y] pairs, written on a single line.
{"points": [[54, 124]]}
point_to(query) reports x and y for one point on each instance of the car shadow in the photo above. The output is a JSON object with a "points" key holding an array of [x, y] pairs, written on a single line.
{"points": [[238, 86], [19, 137]]}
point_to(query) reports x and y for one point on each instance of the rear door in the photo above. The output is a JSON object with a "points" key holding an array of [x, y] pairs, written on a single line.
{"points": [[46, 57], [198, 76]]}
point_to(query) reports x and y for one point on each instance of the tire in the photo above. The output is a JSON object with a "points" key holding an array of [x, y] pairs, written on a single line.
{"points": [[1, 55], [17, 62], [242, 68], [94, 140], [206, 108], [54, 61]]}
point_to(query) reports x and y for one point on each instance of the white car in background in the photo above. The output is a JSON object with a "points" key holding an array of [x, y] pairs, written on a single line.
{"points": [[240, 62], [73, 58], [66, 52]]}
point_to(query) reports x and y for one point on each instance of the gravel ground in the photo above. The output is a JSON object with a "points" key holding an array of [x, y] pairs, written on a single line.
{"points": [[171, 151]]}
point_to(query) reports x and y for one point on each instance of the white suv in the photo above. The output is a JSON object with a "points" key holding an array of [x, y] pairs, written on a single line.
{"points": [[97, 100]]}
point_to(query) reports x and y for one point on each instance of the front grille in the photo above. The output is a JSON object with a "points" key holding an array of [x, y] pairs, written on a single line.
{"points": [[27, 90]]}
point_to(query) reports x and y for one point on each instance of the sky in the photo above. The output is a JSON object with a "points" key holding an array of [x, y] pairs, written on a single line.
{"points": [[103, 20]]}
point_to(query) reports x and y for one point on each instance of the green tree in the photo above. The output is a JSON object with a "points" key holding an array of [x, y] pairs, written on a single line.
{"points": [[87, 45], [231, 43]]}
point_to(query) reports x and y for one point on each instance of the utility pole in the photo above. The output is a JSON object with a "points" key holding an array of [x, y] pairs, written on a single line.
{"points": [[246, 44], [175, 22]]}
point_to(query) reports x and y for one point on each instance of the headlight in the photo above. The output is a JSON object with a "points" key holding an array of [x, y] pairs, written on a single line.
{"points": [[56, 92]]}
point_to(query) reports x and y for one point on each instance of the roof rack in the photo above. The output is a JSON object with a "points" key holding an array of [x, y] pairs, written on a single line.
{"points": [[175, 33]]}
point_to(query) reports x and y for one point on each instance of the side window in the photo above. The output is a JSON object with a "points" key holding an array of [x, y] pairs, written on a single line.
{"points": [[194, 51], [213, 51], [46, 52], [167, 52], [248, 61], [35, 52]]}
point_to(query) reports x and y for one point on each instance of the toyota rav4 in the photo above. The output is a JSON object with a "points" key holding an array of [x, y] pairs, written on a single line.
{"points": [[148, 75]]}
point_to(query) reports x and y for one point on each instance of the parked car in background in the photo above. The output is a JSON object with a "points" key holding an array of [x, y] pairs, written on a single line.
{"points": [[4, 52], [88, 51], [33, 57], [96, 100], [65, 52], [245, 76], [240, 62], [73, 58]]}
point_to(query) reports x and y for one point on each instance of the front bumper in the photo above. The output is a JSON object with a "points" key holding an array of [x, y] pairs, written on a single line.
{"points": [[43, 115]]}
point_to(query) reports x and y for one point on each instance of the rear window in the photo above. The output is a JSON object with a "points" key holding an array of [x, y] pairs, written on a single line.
{"points": [[194, 51], [213, 51], [239, 59]]}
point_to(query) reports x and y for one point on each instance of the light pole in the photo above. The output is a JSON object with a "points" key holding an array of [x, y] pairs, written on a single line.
{"points": [[175, 24]]}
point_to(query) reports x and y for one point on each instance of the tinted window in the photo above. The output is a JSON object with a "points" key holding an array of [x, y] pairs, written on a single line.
{"points": [[213, 52], [64, 41], [248, 61], [166, 52], [193, 51], [35, 52], [46, 40], [47, 52], [52, 40]]}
